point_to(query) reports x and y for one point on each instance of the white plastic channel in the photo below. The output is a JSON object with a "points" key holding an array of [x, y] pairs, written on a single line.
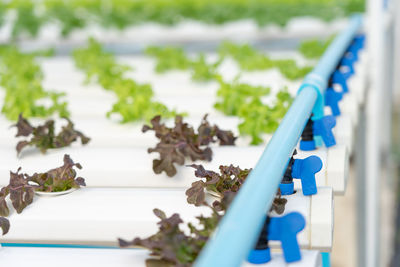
{"points": [[132, 166], [80, 217], [46, 257]]}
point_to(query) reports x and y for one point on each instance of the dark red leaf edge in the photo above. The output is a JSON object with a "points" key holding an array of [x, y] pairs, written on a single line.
{"points": [[4, 225]]}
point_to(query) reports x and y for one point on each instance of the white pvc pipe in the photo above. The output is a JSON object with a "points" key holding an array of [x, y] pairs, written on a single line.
{"points": [[372, 194]]}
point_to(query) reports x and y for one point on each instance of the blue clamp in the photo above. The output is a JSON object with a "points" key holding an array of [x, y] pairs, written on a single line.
{"points": [[359, 40], [305, 170], [332, 99], [352, 52], [351, 55], [348, 63], [357, 45], [339, 78], [285, 229], [282, 229], [322, 127]]}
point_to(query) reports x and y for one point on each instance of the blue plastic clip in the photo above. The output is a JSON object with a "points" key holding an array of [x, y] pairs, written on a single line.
{"points": [[352, 52], [339, 78], [282, 229], [285, 229], [348, 64], [323, 127], [355, 47], [332, 99], [360, 40], [305, 170]]}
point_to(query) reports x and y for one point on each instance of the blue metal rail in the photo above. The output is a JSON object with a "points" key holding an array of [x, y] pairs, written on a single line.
{"points": [[239, 229]]}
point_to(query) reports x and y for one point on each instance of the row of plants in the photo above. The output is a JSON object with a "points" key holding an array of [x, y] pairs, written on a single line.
{"points": [[247, 57], [135, 102], [21, 78], [250, 59], [31, 16], [20, 81], [174, 58], [234, 99]]}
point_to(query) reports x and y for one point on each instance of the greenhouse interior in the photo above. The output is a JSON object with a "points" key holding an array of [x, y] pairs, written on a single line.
{"points": [[127, 129]]}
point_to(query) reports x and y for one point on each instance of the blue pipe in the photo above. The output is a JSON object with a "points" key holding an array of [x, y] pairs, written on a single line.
{"points": [[239, 228], [330, 59], [327, 64]]}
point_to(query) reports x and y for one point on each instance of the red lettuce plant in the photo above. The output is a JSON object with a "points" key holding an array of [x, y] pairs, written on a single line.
{"points": [[224, 185], [22, 187], [44, 136], [182, 141]]}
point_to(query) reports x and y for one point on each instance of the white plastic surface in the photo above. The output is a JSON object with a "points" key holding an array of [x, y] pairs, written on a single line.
{"points": [[97, 216], [132, 167], [47, 257], [322, 216], [124, 167]]}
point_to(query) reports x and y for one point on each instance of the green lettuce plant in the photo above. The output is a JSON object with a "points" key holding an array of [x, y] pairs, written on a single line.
{"points": [[315, 48], [170, 58], [21, 77], [249, 59], [120, 14], [245, 101], [134, 101]]}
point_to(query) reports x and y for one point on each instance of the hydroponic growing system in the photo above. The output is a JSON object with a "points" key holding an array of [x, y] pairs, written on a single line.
{"points": [[280, 127]]}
